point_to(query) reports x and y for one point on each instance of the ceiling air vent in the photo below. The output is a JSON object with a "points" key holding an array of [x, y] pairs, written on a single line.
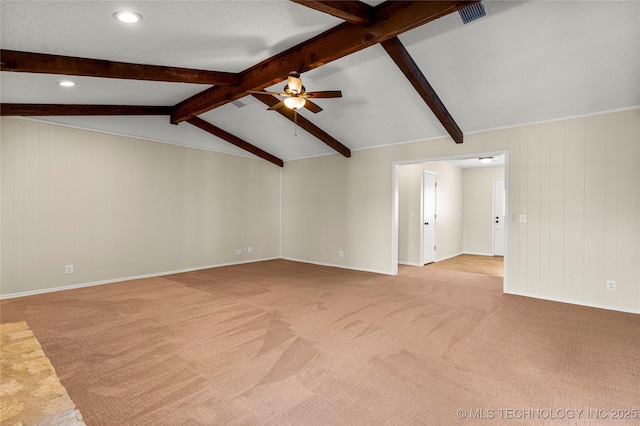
{"points": [[239, 104], [472, 13]]}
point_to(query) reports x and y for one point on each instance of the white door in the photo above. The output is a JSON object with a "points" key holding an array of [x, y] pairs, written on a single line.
{"points": [[429, 218], [498, 217]]}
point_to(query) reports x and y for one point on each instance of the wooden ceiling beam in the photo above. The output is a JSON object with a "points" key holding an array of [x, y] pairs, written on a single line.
{"points": [[36, 110], [356, 12], [390, 19], [305, 124], [234, 140], [40, 63], [407, 65]]}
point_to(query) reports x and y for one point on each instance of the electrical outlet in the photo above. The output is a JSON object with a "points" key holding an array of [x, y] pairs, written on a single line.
{"points": [[68, 269], [249, 249], [176, 257], [523, 218], [341, 253], [238, 251], [611, 285]]}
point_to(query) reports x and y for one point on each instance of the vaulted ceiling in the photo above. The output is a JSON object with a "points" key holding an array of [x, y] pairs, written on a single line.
{"points": [[524, 62]]}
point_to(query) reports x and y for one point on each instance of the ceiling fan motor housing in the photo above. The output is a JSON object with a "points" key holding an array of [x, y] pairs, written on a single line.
{"points": [[294, 83]]}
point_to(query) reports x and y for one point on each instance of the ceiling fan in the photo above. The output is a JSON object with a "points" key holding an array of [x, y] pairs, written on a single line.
{"points": [[297, 97]]}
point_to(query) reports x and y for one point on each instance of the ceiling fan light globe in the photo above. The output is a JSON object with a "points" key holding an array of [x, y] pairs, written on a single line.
{"points": [[294, 103]]}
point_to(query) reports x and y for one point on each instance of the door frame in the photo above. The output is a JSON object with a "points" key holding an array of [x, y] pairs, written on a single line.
{"points": [[435, 231], [395, 205], [493, 209]]}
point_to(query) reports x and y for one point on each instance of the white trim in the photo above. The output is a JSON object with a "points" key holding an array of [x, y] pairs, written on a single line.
{"points": [[124, 135], [479, 254], [575, 302], [395, 213], [281, 228], [449, 257], [410, 264], [513, 126], [553, 120], [493, 211], [333, 265], [507, 211], [435, 220], [117, 280], [444, 136]]}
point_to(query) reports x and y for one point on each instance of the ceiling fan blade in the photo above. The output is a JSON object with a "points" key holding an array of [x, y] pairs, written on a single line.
{"points": [[312, 107], [263, 92], [326, 94], [276, 106]]}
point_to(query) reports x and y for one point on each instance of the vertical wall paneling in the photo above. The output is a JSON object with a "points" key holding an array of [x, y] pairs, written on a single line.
{"points": [[595, 207], [8, 189], [117, 207], [515, 169], [17, 205], [546, 152], [611, 225], [628, 212], [29, 207], [556, 210], [574, 209], [556, 172], [43, 204], [534, 196]]}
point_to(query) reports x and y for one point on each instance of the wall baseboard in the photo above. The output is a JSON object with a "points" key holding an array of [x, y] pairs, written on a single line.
{"points": [[440, 259], [477, 253], [117, 280], [160, 274], [410, 264], [575, 302], [331, 265]]}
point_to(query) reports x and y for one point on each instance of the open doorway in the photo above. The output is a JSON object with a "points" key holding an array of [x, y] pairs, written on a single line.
{"points": [[464, 220]]}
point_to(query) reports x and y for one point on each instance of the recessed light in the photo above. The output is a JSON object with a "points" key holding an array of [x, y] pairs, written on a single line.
{"points": [[485, 160], [127, 17], [66, 83]]}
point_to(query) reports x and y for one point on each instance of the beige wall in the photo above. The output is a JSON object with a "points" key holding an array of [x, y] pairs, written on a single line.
{"points": [[119, 207], [448, 211], [410, 214], [577, 180], [478, 209]]}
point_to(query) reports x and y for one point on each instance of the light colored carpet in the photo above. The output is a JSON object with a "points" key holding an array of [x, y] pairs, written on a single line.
{"points": [[30, 392], [286, 343]]}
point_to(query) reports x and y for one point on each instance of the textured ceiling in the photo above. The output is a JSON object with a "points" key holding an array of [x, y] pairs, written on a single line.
{"points": [[524, 62]]}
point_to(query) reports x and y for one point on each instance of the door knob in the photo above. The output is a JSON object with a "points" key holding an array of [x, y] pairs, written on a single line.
{"points": [[497, 221]]}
